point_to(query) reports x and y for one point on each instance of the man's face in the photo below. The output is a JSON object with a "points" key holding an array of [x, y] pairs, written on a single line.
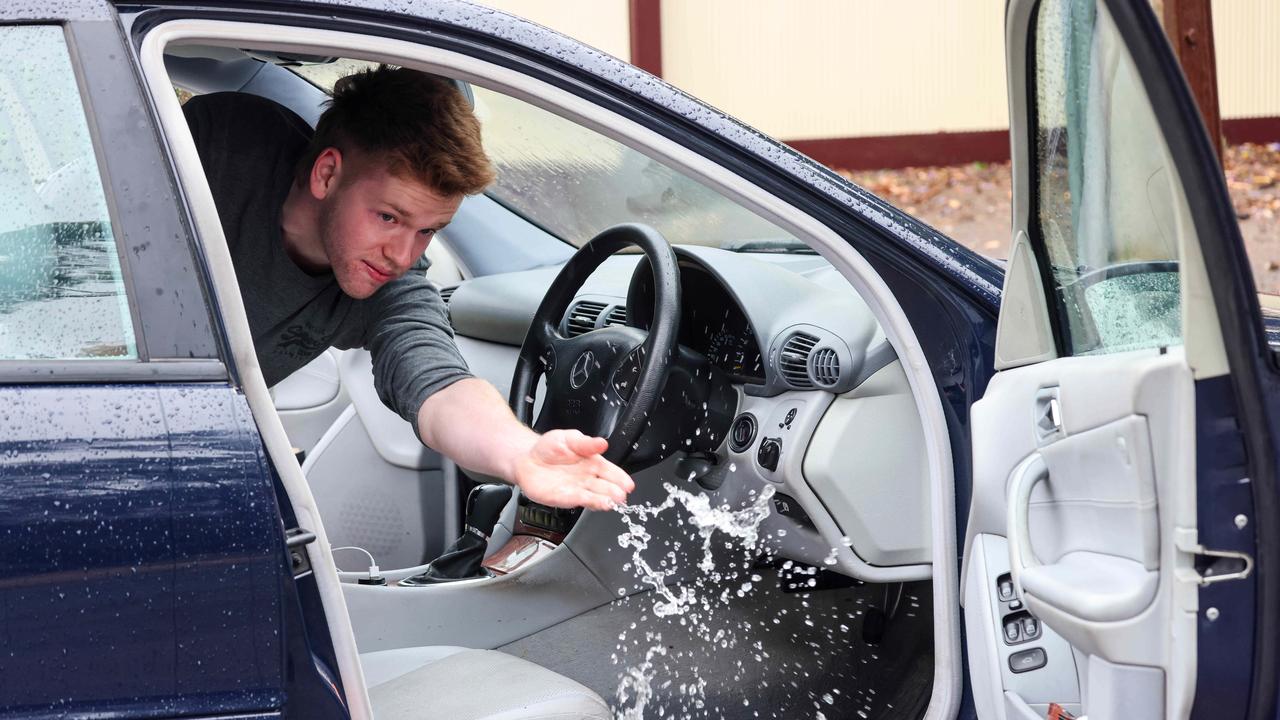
{"points": [[374, 225]]}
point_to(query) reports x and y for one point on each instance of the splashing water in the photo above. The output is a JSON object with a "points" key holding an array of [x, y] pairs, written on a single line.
{"points": [[636, 684], [741, 524]]}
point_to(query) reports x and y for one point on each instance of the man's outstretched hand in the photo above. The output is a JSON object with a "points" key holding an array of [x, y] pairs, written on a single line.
{"points": [[469, 421], [565, 469]]}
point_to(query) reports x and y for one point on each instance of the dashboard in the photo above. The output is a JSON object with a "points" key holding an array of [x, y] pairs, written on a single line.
{"points": [[824, 410]]}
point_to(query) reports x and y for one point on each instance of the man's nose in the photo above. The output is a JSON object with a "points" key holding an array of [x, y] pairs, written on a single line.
{"points": [[400, 253]]}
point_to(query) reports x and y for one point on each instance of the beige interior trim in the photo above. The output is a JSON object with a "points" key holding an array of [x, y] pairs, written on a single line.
{"points": [[1024, 335], [945, 697]]}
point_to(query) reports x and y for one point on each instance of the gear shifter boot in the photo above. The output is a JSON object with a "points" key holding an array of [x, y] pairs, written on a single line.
{"points": [[464, 557]]}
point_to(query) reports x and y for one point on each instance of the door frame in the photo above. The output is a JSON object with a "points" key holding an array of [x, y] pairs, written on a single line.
{"points": [[947, 686]]}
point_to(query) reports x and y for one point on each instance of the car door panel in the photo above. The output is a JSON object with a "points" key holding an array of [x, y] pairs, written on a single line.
{"points": [[1085, 442], [404, 506], [310, 400], [1081, 504], [1089, 557]]}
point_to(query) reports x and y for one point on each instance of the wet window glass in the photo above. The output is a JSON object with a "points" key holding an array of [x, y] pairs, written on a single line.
{"points": [[61, 293], [1105, 197], [575, 182]]}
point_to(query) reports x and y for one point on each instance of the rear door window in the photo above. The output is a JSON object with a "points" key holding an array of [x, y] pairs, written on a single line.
{"points": [[62, 294]]}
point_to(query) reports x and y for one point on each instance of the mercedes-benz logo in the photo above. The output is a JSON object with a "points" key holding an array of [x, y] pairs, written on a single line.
{"points": [[582, 369]]}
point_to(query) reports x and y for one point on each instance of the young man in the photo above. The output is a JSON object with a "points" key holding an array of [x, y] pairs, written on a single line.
{"points": [[327, 233]]}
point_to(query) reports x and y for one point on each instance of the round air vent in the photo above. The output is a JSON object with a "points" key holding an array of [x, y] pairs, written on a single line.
{"points": [[824, 367], [742, 433]]}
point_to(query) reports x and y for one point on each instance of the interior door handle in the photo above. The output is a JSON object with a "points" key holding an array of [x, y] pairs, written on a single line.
{"points": [[1048, 416], [1025, 477]]}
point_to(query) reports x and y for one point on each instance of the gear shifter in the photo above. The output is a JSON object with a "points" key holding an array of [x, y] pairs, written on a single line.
{"points": [[463, 558]]}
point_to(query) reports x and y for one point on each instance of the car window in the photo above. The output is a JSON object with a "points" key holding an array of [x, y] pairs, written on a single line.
{"points": [[1105, 212], [61, 291], [574, 182]]}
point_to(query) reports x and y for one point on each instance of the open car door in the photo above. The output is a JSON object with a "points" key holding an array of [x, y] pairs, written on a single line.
{"points": [[1124, 442]]}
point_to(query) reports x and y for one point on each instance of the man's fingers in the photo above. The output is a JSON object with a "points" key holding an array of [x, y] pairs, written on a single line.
{"points": [[584, 445], [613, 474], [580, 496], [607, 489]]}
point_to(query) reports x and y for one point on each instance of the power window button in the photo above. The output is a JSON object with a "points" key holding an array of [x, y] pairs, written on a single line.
{"points": [[1005, 590], [1012, 632], [1027, 660]]}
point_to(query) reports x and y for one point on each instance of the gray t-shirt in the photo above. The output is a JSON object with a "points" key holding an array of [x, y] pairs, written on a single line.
{"points": [[250, 147]]}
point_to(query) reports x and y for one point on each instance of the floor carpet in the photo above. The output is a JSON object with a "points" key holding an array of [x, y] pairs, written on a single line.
{"points": [[759, 654]]}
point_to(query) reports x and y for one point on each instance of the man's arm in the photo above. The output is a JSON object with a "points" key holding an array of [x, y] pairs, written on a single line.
{"points": [[470, 422], [420, 374]]}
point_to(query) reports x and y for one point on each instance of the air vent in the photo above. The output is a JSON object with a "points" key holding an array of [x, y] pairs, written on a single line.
{"points": [[825, 366], [793, 361], [583, 317], [616, 316]]}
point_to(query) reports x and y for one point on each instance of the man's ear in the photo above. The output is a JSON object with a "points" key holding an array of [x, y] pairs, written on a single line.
{"points": [[326, 171]]}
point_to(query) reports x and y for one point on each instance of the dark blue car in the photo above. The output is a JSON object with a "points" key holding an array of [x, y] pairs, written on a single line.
{"points": [[992, 491]]}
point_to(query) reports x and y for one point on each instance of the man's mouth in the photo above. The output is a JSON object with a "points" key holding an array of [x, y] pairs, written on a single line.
{"points": [[377, 274]]}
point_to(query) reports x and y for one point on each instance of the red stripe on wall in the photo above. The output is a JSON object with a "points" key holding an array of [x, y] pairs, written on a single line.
{"points": [[891, 151], [1251, 130], [646, 35], [895, 151]]}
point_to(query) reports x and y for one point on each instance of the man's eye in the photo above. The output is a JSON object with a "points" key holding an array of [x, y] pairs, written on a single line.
{"points": [[387, 217], [427, 233]]}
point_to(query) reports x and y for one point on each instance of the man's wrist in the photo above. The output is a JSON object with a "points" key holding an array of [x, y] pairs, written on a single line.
{"points": [[519, 450]]}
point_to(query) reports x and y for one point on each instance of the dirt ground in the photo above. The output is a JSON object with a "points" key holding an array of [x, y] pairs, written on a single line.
{"points": [[970, 203]]}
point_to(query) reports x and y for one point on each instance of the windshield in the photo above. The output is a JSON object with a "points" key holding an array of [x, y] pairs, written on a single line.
{"points": [[574, 182]]}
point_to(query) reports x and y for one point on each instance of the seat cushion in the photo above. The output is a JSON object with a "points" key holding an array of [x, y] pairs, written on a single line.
{"points": [[454, 683]]}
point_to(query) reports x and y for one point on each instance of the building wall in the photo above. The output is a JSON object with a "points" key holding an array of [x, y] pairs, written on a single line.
{"points": [[842, 68], [1246, 38], [870, 83]]}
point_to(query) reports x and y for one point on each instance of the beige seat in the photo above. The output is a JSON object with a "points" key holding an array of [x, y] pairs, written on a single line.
{"points": [[456, 683]]}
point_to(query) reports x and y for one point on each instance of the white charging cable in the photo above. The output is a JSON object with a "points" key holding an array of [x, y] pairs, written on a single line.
{"points": [[374, 573]]}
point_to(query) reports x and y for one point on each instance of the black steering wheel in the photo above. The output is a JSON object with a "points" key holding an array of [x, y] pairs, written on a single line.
{"points": [[605, 382]]}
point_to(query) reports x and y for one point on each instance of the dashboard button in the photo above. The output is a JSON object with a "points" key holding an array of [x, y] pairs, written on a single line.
{"points": [[786, 506]]}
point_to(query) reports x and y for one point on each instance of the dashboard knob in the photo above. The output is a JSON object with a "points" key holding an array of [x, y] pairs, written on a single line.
{"points": [[742, 433], [769, 454]]}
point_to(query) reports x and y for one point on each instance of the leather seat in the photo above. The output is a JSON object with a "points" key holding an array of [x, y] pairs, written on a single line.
{"points": [[456, 683]]}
